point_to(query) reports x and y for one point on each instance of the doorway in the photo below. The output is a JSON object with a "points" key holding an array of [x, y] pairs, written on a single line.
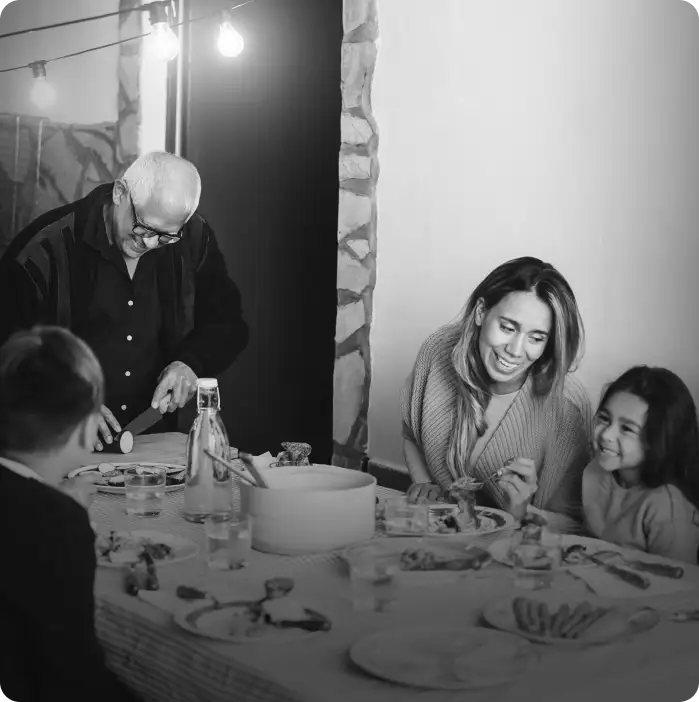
{"points": [[264, 131]]}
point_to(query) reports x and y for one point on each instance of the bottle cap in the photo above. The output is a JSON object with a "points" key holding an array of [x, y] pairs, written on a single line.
{"points": [[207, 383]]}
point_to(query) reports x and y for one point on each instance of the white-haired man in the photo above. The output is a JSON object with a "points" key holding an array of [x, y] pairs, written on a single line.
{"points": [[156, 322]]}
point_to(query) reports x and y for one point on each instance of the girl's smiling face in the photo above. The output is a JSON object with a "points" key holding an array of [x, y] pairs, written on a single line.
{"points": [[618, 434]]}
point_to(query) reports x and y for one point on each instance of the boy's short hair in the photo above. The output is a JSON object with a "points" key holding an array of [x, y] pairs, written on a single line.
{"points": [[50, 382]]}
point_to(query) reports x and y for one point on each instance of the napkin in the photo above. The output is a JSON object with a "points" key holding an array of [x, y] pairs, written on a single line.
{"points": [[607, 585]]}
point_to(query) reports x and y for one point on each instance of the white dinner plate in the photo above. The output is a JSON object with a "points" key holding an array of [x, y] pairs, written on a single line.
{"points": [[182, 549], [171, 469], [619, 621], [465, 658], [500, 550], [442, 549], [214, 622], [494, 521]]}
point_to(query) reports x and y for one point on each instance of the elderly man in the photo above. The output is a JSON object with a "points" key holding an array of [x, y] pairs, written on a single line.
{"points": [[137, 273]]}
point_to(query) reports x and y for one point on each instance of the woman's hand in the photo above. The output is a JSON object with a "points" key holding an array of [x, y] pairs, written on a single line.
{"points": [[519, 481], [424, 492]]}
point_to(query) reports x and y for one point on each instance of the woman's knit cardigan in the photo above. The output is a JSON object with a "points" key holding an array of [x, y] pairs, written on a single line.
{"points": [[554, 432]]}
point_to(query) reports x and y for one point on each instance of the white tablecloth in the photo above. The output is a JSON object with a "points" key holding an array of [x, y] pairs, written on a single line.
{"points": [[165, 664]]}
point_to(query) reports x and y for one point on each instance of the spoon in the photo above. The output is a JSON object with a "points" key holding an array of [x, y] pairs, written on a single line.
{"points": [[246, 458], [230, 467]]}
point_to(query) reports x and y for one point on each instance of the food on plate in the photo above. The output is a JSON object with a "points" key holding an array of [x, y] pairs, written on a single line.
{"points": [[464, 490], [113, 476], [185, 592], [141, 576], [419, 558], [276, 610], [534, 617], [294, 453], [122, 547]]}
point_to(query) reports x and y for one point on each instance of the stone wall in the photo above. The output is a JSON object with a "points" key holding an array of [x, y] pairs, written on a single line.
{"points": [[44, 164], [356, 272]]}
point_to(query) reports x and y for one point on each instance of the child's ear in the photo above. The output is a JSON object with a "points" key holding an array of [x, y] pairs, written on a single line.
{"points": [[87, 432]]}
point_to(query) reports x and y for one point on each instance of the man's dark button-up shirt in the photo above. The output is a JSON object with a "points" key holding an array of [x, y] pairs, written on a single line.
{"points": [[123, 328]]}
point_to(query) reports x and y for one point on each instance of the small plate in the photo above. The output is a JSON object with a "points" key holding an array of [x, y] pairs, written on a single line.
{"points": [[466, 658], [183, 549], [619, 621], [213, 621], [171, 468]]}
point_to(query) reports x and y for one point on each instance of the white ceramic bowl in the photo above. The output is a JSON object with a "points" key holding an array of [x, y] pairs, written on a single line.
{"points": [[310, 509]]}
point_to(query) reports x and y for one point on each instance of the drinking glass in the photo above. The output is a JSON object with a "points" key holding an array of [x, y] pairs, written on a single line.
{"points": [[402, 516], [145, 490], [536, 559], [373, 583], [228, 540]]}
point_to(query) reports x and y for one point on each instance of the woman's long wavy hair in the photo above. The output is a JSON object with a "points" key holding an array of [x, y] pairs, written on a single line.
{"points": [[670, 435], [563, 351]]}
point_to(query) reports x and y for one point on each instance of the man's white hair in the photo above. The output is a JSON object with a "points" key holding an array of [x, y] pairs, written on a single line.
{"points": [[162, 176]]}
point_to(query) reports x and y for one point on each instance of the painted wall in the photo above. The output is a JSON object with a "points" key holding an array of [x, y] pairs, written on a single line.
{"points": [[87, 86], [565, 131]]}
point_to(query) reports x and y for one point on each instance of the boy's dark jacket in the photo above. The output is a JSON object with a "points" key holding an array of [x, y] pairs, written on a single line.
{"points": [[49, 646]]}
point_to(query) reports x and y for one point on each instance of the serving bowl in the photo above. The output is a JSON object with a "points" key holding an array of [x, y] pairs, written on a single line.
{"points": [[310, 509]]}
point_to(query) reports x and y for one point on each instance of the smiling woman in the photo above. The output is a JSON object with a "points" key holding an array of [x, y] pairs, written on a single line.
{"points": [[492, 394]]}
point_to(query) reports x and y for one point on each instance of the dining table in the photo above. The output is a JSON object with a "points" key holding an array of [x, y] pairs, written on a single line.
{"points": [[162, 662]]}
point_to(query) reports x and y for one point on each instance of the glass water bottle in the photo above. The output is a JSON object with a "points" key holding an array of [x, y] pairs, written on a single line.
{"points": [[208, 485]]}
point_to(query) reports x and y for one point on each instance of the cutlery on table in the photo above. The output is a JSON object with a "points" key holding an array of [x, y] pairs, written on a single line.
{"points": [[247, 459], [230, 467], [628, 576], [663, 570]]}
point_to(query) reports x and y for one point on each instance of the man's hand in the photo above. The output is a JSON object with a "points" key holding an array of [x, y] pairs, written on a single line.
{"points": [[424, 492], [176, 385], [104, 433], [81, 488], [519, 481]]}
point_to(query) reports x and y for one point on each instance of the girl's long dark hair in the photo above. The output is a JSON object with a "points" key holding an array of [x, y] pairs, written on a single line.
{"points": [[671, 432]]}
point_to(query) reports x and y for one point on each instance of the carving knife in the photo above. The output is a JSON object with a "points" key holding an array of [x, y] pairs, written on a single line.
{"points": [[124, 439]]}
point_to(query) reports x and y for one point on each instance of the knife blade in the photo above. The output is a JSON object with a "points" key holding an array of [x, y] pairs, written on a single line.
{"points": [[144, 421]]}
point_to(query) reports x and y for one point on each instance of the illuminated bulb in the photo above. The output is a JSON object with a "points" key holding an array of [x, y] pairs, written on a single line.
{"points": [[230, 43], [164, 42], [43, 94]]}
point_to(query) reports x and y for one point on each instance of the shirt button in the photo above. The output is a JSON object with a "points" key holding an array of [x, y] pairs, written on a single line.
{"points": [[129, 337], [130, 303], [127, 373], [123, 407]]}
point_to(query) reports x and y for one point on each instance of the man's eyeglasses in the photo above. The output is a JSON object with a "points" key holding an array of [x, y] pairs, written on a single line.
{"points": [[140, 229]]}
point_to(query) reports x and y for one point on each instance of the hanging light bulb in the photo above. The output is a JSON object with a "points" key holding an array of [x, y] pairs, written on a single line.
{"points": [[43, 93], [163, 41], [230, 43]]}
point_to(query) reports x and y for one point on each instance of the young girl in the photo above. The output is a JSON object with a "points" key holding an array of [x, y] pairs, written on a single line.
{"points": [[642, 488]]}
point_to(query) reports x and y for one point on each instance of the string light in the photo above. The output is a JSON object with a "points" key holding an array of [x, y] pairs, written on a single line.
{"points": [[163, 42], [230, 43], [43, 93]]}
